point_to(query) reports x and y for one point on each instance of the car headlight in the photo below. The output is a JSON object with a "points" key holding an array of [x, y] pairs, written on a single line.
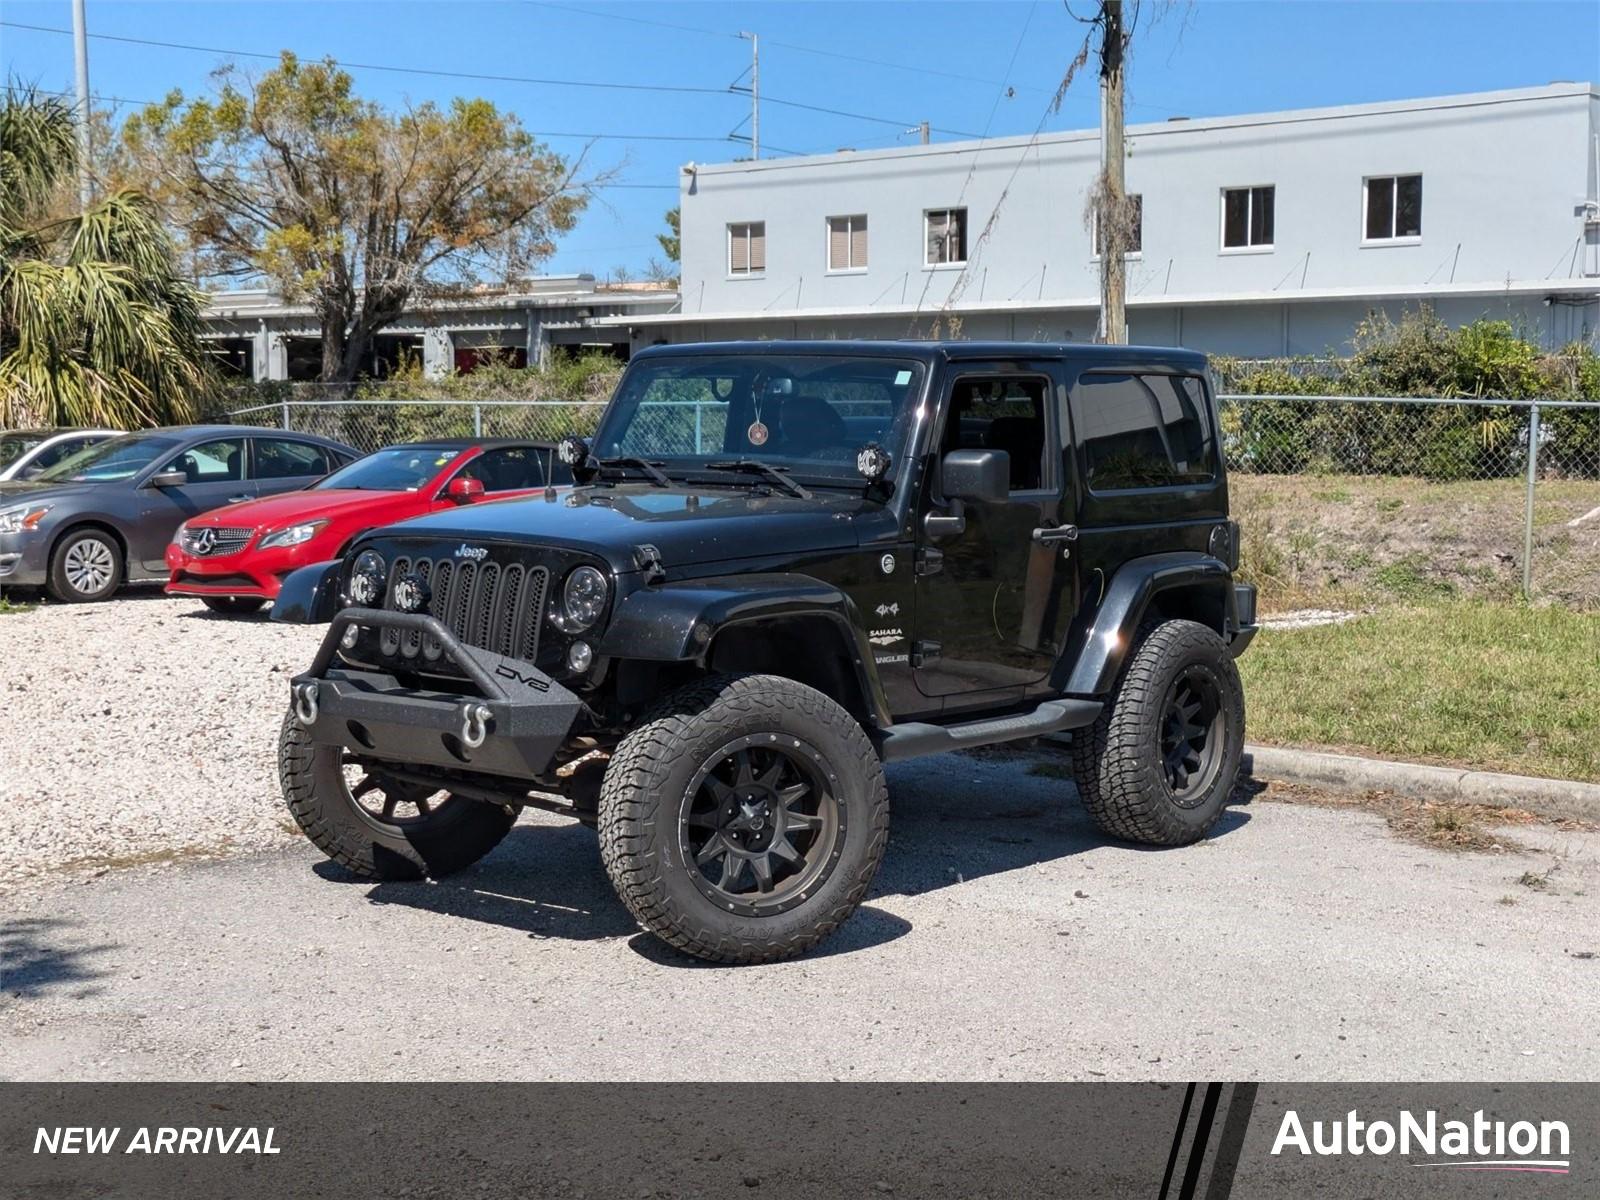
{"points": [[22, 518], [583, 598], [294, 535], [369, 578]]}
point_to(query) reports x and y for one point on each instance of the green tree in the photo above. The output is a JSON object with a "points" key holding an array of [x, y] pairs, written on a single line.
{"points": [[672, 240], [355, 210], [97, 327]]}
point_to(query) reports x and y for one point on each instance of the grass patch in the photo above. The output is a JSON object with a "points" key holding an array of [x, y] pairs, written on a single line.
{"points": [[9, 606], [1494, 686]]}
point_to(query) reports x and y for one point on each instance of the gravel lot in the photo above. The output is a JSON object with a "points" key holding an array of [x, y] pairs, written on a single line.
{"points": [[144, 728], [1004, 939]]}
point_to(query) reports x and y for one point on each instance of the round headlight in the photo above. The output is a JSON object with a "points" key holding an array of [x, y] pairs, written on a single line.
{"points": [[584, 597], [368, 579]]}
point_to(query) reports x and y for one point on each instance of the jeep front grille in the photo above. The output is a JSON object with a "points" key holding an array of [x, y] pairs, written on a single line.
{"points": [[210, 541], [486, 604]]}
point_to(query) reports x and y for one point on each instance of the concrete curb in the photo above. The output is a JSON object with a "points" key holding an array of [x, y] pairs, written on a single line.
{"points": [[1563, 799]]}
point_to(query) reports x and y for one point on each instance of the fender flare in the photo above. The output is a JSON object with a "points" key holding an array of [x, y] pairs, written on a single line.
{"points": [[1093, 669], [678, 622], [309, 595]]}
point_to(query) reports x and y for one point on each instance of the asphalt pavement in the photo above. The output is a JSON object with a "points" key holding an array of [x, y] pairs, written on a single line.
{"points": [[1005, 938]]}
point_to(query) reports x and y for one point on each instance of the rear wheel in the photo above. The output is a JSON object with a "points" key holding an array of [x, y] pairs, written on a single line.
{"points": [[85, 566], [233, 606], [376, 824], [743, 820], [1160, 763]]}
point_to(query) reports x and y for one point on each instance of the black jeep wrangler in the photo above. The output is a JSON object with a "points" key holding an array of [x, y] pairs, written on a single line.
{"points": [[784, 565]]}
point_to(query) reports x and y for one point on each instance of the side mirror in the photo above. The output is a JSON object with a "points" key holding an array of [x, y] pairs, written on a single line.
{"points": [[166, 479], [982, 476], [463, 490]]}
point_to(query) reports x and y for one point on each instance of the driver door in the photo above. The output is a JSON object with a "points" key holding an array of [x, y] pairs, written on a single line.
{"points": [[992, 601], [216, 476]]}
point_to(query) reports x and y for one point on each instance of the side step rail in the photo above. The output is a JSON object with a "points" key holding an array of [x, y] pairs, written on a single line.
{"points": [[916, 738]]}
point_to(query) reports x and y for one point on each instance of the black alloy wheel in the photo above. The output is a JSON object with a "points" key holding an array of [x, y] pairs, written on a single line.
{"points": [[1192, 736], [761, 824]]}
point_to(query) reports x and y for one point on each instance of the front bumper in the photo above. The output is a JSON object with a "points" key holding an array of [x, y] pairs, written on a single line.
{"points": [[247, 572], [24, 558], [510, 720]]}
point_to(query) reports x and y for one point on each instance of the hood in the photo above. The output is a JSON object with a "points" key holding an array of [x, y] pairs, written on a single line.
{"points": [[686, 524], [292, 507], [17, 490]]}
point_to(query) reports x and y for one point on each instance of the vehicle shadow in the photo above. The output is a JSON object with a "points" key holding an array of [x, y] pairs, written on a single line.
{"points": [[955, 820], [37, 955]]}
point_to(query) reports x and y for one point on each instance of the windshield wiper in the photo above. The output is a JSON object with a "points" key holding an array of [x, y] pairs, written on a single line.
{"points": [[753, 466], [651, 469]]}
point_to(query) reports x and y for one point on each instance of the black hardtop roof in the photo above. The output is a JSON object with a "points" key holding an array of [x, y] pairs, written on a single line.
{"points": [[946, 351], [467, 443]]}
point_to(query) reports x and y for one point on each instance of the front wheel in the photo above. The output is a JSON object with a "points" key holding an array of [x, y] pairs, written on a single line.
{"points": [[233, 606], [743, 820], [85, 566], [1160, 763], [376, 824]]}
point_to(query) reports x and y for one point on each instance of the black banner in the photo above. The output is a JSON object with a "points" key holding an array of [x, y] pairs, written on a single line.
{"points": [[580, 1141]]}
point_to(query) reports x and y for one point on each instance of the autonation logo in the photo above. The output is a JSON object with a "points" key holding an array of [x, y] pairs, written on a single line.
{"points": [[1477, 1145]]}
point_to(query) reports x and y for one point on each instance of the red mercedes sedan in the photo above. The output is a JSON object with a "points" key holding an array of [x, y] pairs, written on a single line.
{"points": [[234, 558]]}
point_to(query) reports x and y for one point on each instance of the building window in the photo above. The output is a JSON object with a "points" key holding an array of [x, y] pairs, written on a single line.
{"points": [[947, 236], [747, 248], [1136, 238], [1247, 218], [1393, 207], [847, 243]]}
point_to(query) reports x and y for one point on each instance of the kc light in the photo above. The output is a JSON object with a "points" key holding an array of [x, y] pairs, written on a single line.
{"points": [[294, 535], [368, 578], [22, 518], [584, 597]]}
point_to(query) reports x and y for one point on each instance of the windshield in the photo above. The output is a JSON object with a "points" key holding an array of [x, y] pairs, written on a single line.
{"points": [[119, 458], [14, 445], [808, 414], [398, 469]]}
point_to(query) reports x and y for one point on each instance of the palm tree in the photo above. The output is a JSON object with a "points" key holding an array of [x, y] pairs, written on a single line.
{"points": [[96, 325]]}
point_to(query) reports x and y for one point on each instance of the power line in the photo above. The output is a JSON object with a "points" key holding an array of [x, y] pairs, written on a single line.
{"points": [[541, 82], [796, 46], [359, 66]]}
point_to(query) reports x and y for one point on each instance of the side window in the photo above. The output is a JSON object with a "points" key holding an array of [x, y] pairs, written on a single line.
{"points": [[1001, 414], [1142, 431], [509, 469], [279, 459], [221, 461]]}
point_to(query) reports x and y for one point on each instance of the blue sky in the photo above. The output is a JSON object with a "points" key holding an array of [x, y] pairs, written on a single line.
{"points": [[943, 62]]}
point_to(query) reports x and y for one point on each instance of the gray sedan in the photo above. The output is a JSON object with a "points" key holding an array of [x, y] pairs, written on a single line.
{"points": [[105, 515]]}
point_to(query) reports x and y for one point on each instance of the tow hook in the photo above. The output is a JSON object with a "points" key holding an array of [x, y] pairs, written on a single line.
{"points": [[474, 725], [305, 703]]}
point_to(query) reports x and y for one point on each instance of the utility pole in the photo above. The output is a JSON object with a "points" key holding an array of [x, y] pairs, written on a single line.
{"points": [[755, 93], [923, 130], [80, 39], [1113, 266]]}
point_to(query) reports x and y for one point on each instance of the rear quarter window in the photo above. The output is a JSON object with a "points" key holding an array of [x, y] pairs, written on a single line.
{"points": [[1143, 431]]}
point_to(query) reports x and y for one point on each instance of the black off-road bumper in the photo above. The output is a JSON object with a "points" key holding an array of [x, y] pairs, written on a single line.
{"points": [[511, 719]]}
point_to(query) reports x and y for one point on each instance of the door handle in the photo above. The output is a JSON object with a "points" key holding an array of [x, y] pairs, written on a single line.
{"points": [[236, 499], [1056, 533]]}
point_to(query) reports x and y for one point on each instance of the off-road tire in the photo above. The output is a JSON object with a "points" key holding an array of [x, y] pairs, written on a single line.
{"points": [[96, 542], [233, 606], [644, 789], [1117, 760], [458, 835]]}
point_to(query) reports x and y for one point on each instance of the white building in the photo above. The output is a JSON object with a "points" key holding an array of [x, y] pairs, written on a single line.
{"points": [[1262, 235], [257, 334]]}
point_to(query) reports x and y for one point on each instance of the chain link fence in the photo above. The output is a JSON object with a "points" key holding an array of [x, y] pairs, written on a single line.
{"points": [[1342, 499]]}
